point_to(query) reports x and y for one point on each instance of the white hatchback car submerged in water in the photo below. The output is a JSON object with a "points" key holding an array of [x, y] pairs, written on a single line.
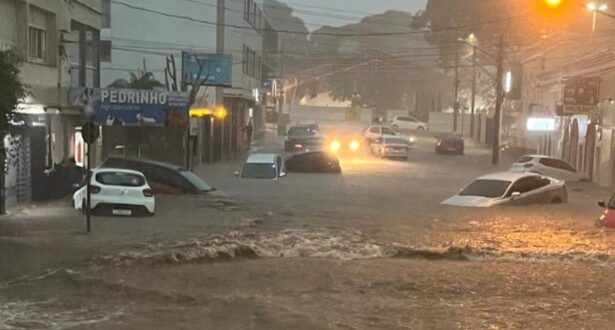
{"points": [[545, 165], [510, 188], [118, 191]]}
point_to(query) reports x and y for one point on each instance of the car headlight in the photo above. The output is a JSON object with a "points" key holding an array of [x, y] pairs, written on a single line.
{"points": [[412, 139], [335, 145], [354, 145]]}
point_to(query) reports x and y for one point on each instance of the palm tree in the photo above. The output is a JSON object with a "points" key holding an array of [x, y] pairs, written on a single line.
{"points": [[142, 79]]}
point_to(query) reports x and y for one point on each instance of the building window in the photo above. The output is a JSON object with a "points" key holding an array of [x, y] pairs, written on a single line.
{"points": [[252, 63], [253, 14], [105, 50], [38, 44]]}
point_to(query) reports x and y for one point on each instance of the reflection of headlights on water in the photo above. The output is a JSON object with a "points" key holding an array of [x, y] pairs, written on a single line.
{"points": [[335, 145], [354, 145]]}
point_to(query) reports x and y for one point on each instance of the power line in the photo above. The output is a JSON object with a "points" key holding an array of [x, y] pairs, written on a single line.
{"points": [[330, 34]]}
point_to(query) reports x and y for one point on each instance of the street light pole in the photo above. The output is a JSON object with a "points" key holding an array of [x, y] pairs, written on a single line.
{"points": [[456, 104], [595, 8], [473, 105], [495, 154]]}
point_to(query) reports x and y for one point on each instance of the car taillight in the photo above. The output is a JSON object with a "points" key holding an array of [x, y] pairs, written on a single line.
{"points": [[94, 189], [148, 193], [528, 165], [298, 146]]}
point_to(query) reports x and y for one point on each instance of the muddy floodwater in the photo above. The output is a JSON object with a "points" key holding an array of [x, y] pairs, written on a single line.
{"points": [[371, 248]]}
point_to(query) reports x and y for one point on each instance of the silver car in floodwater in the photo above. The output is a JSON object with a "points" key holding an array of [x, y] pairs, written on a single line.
{"points": [[510, 188]]}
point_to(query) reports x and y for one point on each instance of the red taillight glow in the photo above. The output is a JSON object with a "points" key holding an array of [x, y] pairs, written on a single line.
{"points": [[148, 193], [94, 189]]}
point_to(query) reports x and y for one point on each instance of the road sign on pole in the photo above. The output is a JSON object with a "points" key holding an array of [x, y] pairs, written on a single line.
{"points": [[90, 134]]}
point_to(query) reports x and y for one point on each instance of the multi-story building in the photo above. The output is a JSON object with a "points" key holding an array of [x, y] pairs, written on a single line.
{"points": [[583, 135], [57, 42], [145, 34]]}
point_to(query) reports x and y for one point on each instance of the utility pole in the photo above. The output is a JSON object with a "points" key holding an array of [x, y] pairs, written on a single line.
{"points": [[495, 155], [473, 105], [280, 97], [456, 104], [220, 36]]}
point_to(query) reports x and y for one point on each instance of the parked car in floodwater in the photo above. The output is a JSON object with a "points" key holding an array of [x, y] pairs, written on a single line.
{"points": [[116, 191], [509, 188], [313, 162], [262, 166], [164, 177], [553, 167]]}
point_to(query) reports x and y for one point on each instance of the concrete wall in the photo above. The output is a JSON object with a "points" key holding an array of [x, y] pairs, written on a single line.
{"points": [[440, 122]]}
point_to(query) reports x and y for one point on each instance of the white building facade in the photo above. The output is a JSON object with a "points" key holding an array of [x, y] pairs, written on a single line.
{"points": [[57, 42], [145, 34]]}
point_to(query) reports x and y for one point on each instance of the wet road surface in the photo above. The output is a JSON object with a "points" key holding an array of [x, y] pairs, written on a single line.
{"points": [[371, 248]]}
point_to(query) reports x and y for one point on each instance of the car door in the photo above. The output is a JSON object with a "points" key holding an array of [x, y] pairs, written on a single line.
{"points": [[533, 190], [294, 164], [403, 122], [412, 123]]}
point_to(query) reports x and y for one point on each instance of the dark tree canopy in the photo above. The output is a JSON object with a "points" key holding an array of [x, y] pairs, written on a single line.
{"points": [[377, 71], [12, 92]]}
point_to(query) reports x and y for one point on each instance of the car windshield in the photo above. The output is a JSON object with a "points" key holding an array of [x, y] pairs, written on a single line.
{"points": [[259, 171], [196, 181], [486, 188], [524, 159], [301, 131], [120, 179]]}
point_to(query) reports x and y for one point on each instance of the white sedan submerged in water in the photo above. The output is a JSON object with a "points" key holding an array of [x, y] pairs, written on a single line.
{"points": [[509, 188]]}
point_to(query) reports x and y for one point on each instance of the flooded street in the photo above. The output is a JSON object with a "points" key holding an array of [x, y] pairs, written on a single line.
{"points": [[371, 248]]}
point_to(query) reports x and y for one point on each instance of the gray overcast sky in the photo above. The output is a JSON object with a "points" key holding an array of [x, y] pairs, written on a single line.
{"points": [[341, 12]]}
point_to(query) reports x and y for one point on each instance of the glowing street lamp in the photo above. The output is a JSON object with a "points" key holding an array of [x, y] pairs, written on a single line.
{"points": [[553, 3], [595, 8]]}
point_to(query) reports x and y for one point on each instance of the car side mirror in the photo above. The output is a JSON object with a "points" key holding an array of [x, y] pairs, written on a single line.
{"points": [[602, 204], [516, 194], [237, 174]]}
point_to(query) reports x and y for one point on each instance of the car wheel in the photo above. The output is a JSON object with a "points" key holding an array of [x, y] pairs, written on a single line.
{"points": [[420, 128], [557, 200]]}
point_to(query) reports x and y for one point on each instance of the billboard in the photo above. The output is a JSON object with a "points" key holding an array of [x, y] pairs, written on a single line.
{"points": [[541, 124], [131, 107], [217, 69], [580, 95]]}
